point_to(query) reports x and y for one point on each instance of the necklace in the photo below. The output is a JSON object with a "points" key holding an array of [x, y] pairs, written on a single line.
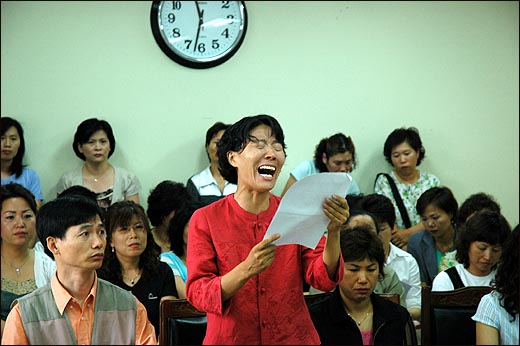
{"points": [[19, 269], [101, 176], [96, 179], [364, 318], [132, 281]]}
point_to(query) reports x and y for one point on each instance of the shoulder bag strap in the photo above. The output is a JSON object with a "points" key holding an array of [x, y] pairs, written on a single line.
{"points": [[455, 278], [398, 200]]}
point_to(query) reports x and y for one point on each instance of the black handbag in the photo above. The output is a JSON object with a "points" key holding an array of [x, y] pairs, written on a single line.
{"points": [[398, 199], [455, 278]]}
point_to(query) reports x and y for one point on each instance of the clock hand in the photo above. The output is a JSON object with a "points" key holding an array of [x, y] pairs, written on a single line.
{"points": [[201, 13]]}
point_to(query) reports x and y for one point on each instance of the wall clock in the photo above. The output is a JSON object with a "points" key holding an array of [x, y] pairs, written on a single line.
{"points": [[199, 34]]}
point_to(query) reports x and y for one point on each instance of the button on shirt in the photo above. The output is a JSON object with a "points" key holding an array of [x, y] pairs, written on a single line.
{"points": [[83, 319]]}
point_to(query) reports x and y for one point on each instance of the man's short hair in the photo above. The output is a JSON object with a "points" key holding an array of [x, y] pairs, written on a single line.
{"points": [[57, 216]]}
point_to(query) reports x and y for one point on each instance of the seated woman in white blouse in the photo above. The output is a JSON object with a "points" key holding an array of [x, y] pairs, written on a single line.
{"points": [[479, 249]]}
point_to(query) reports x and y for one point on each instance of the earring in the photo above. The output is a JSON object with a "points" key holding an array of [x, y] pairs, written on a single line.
{"points": [[113, 249]]}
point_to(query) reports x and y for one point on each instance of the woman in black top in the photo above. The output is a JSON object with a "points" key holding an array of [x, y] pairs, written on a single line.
{"points": [[132, 258], [353, 314]]}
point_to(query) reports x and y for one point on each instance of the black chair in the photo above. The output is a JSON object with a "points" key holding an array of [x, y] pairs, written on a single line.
{"points": [[314, 298], [446, 315], [393, 297], [411, 333], [181, 323]]}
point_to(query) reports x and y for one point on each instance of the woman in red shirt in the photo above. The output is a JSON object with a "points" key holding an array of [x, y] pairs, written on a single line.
{"points": [[252, 290]]}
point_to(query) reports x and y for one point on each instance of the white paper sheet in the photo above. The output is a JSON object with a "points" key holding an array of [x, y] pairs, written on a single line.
{"points": [[300, 218]]}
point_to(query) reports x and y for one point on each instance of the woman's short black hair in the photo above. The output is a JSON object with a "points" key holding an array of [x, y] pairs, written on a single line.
{"points": [[476, 202], [17, 164], [213, 130], [409, 135], [440, 197], [361, 242], [166, 197], [86, 129], [176, 227], [484, 226], [330, 146], [236, 137]]}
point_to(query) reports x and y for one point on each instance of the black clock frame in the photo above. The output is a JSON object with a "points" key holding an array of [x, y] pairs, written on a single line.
{"points": [[154, 21]]}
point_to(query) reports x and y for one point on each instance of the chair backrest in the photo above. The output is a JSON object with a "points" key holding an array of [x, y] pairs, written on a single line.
{"points": [[393, 297], [181, 323], [446, 315], [314, 298], [411, 334]]}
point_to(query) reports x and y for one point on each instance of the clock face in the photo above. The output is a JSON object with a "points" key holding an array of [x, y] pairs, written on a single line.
{"points": [[199, 34]]}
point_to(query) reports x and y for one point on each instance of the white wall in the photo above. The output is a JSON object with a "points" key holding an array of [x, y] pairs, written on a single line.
{"points": [[363, 68]]}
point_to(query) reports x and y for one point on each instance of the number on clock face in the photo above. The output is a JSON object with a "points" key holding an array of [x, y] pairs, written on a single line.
{"points": [[201, 30]]}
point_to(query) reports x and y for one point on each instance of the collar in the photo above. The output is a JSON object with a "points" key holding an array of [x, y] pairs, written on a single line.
{"points": [[394, 252], [206, 177], [63, 297]]}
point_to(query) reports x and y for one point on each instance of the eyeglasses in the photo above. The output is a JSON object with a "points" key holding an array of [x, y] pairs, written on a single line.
{"points": [[138, 227]]}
